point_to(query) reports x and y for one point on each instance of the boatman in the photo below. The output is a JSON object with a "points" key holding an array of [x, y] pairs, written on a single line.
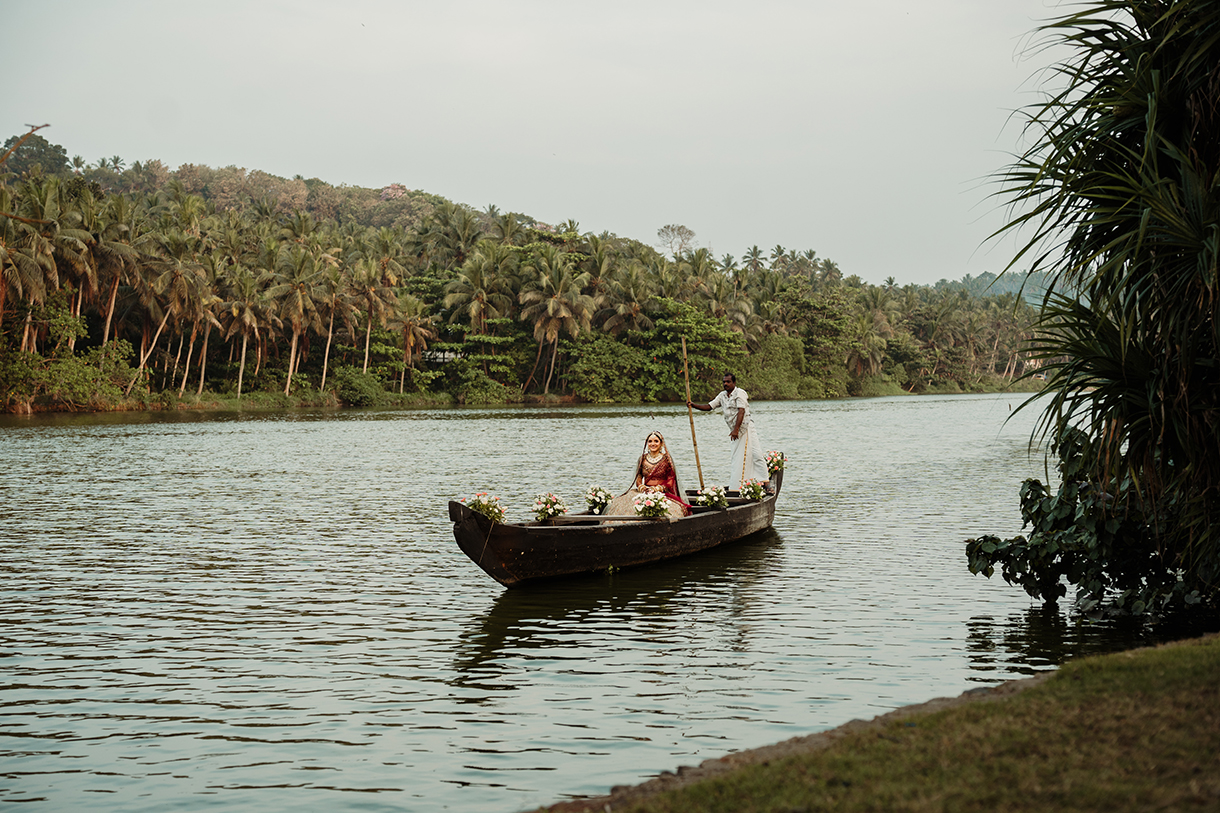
{"points": [[748, 459]]}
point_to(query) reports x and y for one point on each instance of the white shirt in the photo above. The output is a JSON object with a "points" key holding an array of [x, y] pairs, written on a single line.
{"points": [[731, 404]]}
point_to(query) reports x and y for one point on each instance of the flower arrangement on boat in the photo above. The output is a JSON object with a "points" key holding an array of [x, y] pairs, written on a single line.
{"points": [[597, 498], [712, 497], [487, 505], [650, 504], [775, 462], [548, 505], [753, 489]]}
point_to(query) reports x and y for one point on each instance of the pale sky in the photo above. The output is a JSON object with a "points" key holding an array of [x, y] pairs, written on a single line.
{"points": [[863, 130]]}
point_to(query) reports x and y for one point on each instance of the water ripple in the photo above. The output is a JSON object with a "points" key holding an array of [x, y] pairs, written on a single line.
{"points": [[268, 611]]}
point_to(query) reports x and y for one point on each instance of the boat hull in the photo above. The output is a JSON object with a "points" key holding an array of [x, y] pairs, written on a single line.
{"points": [[515, 554]]}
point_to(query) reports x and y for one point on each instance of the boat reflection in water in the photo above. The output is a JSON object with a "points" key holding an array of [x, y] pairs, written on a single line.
{"points": [[539, 621]]}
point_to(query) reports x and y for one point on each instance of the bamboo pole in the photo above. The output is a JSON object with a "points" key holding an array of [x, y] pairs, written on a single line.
{"points": [[690, 413]]}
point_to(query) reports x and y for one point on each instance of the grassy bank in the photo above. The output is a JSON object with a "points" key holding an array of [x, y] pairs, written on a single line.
{"points": [[1137, 730]]}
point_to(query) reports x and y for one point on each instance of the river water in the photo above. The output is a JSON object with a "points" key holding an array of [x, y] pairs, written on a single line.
{"points": [[269, 611]]}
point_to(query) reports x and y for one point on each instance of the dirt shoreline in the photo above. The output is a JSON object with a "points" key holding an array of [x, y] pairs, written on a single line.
{"points": [[686, 775]]}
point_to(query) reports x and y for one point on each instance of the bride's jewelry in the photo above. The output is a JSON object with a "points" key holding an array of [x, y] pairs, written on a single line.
{"points": [[653, 458]]}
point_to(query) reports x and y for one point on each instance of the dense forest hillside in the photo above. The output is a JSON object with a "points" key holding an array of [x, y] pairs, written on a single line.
{"points": [[135, 285]]}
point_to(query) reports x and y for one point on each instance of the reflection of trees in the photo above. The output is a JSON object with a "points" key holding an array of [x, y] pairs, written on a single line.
{"points": [[540, 617], [1043, 637]]}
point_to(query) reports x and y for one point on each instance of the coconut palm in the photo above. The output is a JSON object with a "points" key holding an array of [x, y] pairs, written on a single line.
{"points": [[294, 289], [50, 234], [334, 288], [415, 323], [869, 331], [373, 297], [201, 312], [482, 289], [554, 304], [387, 248], [507, 229], [450, 234], [117, 248], [753, 261], [630, 291], [246, 310], [23, 269], [172, 285]]}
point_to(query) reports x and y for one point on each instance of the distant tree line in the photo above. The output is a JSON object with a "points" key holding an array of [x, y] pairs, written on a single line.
{"points": [[136, 284]]}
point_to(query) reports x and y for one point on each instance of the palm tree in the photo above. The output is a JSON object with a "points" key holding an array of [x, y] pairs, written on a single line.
{"points": [[24, 270], [722, 300], [831, 275], [174, 285], [246, 310], [386, 247], [376, 299], [51, 235], [554, 303], [779, 258], [482, 289], [507, 229], [117, 249], [335, 290], [630, 291], [753, 261], [450, 234], [415, 323], [294, 290], [204, 312], [870, 330]]}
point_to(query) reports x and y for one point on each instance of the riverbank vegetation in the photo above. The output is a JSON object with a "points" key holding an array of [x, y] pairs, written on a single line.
{"points": [[1130, 731], [1120, 194], [137, 286]]}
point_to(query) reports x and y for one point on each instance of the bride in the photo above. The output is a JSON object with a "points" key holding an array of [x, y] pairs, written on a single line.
{"points": [[654, 471]]}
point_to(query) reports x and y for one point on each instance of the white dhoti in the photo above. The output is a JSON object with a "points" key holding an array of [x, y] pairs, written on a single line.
{"points": [[749, 459]]}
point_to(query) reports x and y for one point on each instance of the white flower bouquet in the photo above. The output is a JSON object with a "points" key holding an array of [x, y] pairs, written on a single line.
{"points": [[548, 505], [712, 497], [650, 504], [753, 489], [597, 498], [483, 503]]}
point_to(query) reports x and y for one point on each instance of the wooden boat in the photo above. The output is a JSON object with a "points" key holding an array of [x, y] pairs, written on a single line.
{"points": [[513, 554]]}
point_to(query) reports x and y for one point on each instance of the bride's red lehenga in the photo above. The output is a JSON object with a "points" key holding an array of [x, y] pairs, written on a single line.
{"points": [[661, 474], [655, 472]]}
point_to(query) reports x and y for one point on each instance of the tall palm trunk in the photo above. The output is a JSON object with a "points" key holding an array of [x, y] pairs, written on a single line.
{"points": [[292, 355], [114, 293], [537, 358], [203, 357], [368, 334], [330, 332], [144, 356], [546, 390], [74, 306], [186, 368], [241, 369], [177, 358]]}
